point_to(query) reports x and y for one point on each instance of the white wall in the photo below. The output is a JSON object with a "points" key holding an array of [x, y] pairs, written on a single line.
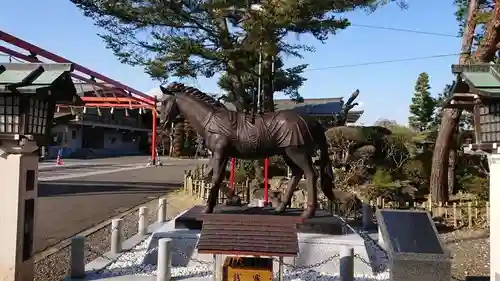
{"points": [[71, 136], [115, 141]]}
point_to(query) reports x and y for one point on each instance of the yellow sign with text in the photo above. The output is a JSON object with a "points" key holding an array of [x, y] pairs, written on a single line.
{"points": [[248, 269]]}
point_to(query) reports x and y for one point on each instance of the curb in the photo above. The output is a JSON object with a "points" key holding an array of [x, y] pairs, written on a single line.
{"points": [[67, 242]]}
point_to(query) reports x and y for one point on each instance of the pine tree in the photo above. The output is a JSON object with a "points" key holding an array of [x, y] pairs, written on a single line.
{"points": [[423, 105], [198, 38]]}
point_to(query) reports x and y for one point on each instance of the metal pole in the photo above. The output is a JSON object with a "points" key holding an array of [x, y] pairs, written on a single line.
{"points": [[153, 137], [259, 84], [266, 181], [231, 178]]}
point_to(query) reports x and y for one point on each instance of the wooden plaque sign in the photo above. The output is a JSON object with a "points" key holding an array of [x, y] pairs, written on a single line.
{"points": [[248, 269]]}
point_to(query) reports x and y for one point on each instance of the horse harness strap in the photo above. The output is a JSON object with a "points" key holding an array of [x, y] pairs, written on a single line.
{"points": [[208, 118]]}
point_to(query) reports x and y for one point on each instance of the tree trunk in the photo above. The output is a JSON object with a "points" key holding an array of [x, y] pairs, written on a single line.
{"points": [[440, 158], [178, 138], [489, 44], [452, 157], [451, 170], [441, 169]]}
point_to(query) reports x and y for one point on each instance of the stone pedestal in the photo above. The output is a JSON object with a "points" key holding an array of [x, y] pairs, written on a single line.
{"points": [[494, 163], [19, 175], [413, 245]]}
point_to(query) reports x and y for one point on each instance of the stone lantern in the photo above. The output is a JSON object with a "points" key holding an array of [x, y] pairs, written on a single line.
{"points": [[28, 96], [477, 89]]}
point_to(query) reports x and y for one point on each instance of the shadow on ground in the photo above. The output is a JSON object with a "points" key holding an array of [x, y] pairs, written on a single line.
{"points": [[65, 208], [71, 188]]}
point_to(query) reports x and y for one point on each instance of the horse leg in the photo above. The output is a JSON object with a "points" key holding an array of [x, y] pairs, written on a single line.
{"points": [[218, 164], [209, 172], [303, 160], [292, 184]]}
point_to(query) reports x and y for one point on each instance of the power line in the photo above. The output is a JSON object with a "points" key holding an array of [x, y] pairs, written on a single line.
{"points": [[382, 62], [405, 30]]}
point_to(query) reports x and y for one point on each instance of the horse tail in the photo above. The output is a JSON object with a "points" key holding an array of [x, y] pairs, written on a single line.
{"points": [[326, 176]]}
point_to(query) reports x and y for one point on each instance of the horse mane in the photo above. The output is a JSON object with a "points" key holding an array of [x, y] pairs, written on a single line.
{"points": [[194, 92]]}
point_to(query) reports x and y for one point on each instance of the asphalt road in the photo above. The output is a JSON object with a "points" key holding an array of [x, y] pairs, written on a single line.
{"points": [[71, 200]]}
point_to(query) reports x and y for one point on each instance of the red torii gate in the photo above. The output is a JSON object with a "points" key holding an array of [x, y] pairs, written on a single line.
{"points": [[131, 99]]}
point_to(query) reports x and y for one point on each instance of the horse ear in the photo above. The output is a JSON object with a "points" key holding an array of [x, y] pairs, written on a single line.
{"points": [[165, 91]]}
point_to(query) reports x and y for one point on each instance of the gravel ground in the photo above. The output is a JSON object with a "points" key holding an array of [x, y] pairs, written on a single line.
{"points": [[56, 266], [471, 252]]}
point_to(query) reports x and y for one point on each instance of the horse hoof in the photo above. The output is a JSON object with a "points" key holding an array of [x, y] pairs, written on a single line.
{"points": [[234, 201], [280, 209], [208, 210], [307, 214]]}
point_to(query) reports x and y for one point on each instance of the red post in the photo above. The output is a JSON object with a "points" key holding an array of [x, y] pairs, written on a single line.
{"points": [[231, 177], [266, 183], [153, 136]]}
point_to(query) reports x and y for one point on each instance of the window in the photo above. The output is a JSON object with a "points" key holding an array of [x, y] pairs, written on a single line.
{"points": [[9, 114], [37, 117], [73, 134]]}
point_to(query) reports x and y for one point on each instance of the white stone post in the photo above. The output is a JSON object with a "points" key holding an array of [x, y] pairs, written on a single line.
{"points": [[281, 274], [164, 259], [116, 236], [346, 271], [143, 221], [162, 210], [494, 163], [217, 274], [77, 257], [19, 175]]}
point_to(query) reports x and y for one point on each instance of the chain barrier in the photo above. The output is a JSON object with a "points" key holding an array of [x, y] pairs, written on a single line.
{"points": [[184, 256], [310, 266]]}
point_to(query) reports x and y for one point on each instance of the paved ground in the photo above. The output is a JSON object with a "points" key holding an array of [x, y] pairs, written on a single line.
{"points": [[73, 198]]}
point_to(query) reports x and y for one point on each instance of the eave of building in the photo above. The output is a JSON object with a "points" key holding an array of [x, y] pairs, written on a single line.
{"points": [[109, 126], [473, 83], [108, 90]]}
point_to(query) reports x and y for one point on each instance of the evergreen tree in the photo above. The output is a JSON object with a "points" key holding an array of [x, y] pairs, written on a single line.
{"points": [[423, 105], [199, 38]]}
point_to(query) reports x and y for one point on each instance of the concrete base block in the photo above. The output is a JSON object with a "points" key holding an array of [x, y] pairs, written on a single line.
{"points": [[313, 248]]}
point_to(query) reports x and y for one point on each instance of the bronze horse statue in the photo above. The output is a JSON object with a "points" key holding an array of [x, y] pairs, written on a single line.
{"points": [[228, 134]]}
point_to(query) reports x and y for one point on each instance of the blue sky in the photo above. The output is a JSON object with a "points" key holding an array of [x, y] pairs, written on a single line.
{"points": [[386, 89]]}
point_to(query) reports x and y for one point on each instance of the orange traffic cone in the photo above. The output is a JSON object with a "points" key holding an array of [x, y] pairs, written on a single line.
{"points": [[59, 161]]}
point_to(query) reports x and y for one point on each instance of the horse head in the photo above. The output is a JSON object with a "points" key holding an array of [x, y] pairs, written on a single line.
{"points": [[168, 106]]}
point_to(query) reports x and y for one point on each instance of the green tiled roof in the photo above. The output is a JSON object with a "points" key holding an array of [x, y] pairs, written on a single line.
{"points": [[30, 78], [481, 79]]}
